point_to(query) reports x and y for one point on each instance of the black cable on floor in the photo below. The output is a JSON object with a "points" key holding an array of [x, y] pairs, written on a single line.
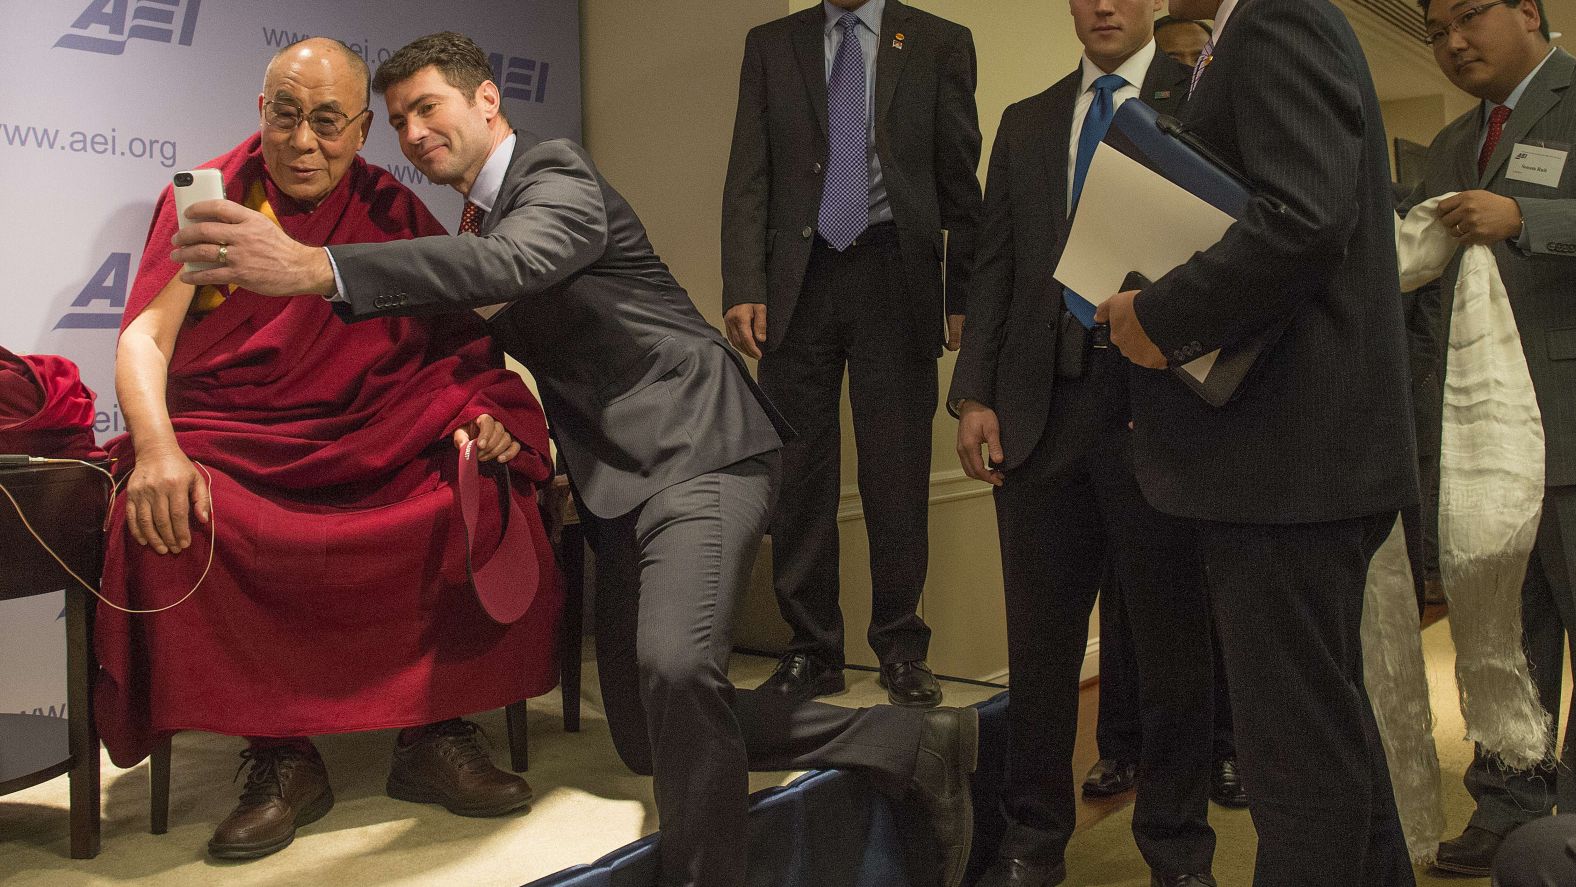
{"points": [[748, 651]]}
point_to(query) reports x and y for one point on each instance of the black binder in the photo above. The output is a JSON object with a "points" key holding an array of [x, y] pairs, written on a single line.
{"points": [[1161, 144]]}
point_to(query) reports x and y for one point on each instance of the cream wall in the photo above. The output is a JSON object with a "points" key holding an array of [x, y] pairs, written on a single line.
{"points": [[660, 88]]}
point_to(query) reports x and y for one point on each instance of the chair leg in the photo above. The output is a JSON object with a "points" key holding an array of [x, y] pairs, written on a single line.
{"points": [[572, 560], [519, 738], [159, 782], [83, 733]]}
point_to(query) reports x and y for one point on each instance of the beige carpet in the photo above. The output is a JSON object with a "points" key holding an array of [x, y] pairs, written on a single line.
{"points": [[587, 804]]}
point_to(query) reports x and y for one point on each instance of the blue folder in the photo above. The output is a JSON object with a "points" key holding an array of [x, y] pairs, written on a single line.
{"points": [[1164, 147]]}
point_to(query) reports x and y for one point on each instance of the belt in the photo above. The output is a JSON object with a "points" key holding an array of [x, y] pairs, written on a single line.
{"points": [[881, 232]]}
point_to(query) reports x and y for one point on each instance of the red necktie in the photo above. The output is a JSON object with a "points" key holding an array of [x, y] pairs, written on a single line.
{"points": [[471, 218], [1496, 128]]}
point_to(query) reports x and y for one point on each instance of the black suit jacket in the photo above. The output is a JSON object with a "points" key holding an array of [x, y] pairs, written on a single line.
{"points": [[927, 137], [1322, 428], [642, 393], [1008, 359]]}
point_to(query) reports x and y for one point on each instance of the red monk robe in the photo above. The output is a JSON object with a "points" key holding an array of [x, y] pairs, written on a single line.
{"points": [[338, 599]]}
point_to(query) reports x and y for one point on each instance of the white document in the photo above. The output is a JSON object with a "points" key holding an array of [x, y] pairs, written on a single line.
{"points": [[1132, 219], [486, 312]]}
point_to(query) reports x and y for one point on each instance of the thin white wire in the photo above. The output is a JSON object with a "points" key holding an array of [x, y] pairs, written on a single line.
{"points": [[115, 488]]}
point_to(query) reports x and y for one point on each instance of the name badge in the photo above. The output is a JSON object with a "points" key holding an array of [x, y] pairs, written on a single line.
{"points": [[1536, 165]]}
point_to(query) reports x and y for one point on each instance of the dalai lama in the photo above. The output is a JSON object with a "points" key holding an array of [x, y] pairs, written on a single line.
{"points": [[299, 474]]}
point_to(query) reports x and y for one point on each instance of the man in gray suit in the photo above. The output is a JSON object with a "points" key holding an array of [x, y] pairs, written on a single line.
{"points": [[848, 226], [1500, 53], [671, 448]]}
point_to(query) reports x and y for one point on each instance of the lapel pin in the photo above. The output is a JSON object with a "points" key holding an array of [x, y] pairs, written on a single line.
{"points": [[1162, 94], [897, 41]]}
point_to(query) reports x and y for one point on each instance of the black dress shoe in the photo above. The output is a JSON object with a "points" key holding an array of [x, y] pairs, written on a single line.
{"points": [[1225, 786], [949, 743], [910, 683], [1181, 880], [804, 677], [1470, 854], [1109, 777], [1014, 872]]}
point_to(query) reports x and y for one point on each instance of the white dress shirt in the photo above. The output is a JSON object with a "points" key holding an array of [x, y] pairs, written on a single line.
{"points": [[1133, 71]]}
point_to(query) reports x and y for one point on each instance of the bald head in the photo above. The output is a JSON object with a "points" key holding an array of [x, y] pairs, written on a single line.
{"points": [[322, 51], [314, 116]]}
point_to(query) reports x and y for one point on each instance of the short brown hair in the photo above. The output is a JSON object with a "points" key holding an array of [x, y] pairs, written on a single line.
{"points": [[456, 56]]}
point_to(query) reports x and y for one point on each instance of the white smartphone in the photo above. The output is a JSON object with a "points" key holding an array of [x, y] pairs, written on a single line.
{"points": [[194, 186]]}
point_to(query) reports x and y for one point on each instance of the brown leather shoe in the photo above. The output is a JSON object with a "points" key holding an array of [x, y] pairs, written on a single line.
{"points": [[449, 766], [286, 789]]}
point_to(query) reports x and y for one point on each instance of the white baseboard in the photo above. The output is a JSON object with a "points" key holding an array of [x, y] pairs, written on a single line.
{"points": [[945, 486]]}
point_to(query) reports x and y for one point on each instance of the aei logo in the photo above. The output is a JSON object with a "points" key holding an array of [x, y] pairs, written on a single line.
{"points": [[106, 25], [107, 285], [519, 78]]}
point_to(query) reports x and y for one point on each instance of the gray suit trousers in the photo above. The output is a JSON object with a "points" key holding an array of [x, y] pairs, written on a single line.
{"points": [[669, 577]]}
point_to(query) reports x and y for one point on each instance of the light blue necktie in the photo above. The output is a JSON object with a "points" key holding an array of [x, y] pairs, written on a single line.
{"points": [[845, 195], [1096, 122]]}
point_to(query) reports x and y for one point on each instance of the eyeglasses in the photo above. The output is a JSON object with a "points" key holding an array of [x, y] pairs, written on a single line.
{"points": [[1461, 21], [286, 116]]}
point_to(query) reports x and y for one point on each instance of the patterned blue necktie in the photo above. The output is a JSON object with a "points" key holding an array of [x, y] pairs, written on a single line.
{"points": [[845, 196], [1096, 122]]}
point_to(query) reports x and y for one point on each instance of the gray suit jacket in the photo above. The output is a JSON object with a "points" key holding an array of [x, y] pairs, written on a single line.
{"points": [[927, 136], [1540, 272], [640, 391], [1008, 359]]}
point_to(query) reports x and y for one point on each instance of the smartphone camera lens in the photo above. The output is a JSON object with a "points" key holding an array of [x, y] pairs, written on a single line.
{"points": [[183, 179]]}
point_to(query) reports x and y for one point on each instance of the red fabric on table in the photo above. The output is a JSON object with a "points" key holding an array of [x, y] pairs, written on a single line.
{"points": [[45, 410], [338, 599]]}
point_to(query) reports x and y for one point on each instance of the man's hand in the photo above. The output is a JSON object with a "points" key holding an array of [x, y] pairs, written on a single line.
{"points": [[977, 427], [746, 324], [492, 441], [1480, 217], [164, 490], [258, 256], [1127, 334], [954, 331]]}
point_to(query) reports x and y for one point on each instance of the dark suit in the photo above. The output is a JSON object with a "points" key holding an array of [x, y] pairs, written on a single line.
{"points": [[1297, 481], [1537, 273], [877, 308], [672, 452], [1069, 491]]}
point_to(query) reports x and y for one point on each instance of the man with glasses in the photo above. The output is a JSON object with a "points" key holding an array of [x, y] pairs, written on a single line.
{"points": [[292, 468], [1500, 53]]}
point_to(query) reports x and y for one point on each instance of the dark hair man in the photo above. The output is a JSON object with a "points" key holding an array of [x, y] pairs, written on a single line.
{"points": [[1182, 39], [670, 446], [848, 223], [1295, 483], [1049, 401], [1499, 53]]}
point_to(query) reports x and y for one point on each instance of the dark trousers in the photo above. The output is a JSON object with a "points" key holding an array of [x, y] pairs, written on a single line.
{"points": [[1508, 798], [669, 578], [1058, 513], [1289, 600], [1119, 729], [853, 313]]}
